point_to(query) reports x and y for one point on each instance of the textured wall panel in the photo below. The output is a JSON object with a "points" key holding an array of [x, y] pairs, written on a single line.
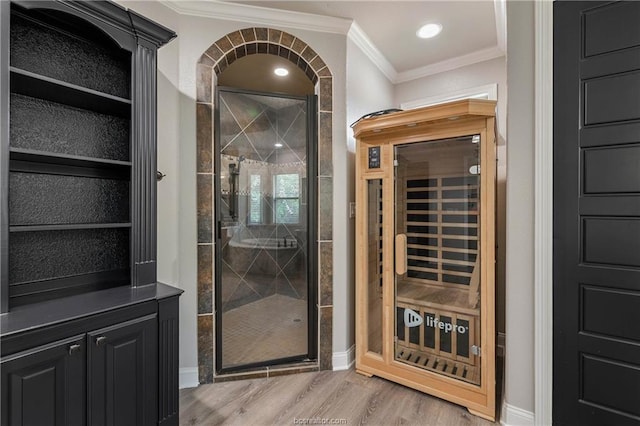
{"points": [[48, 126], [53, 254], [39, 199], [69, 59]]}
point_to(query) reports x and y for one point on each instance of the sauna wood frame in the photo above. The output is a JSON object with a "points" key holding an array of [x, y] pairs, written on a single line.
{"points": [[445, 121]]}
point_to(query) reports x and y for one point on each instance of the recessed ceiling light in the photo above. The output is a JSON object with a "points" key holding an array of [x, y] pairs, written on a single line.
{"points": [[429, 30], [277, 145], [281, 72]]}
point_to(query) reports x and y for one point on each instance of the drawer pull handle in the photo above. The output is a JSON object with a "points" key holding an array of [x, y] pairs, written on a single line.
{"points": [[73, 349], [101, 340]]}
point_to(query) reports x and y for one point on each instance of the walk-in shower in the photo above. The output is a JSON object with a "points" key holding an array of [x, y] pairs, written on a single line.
{"points": [[265, 257]]}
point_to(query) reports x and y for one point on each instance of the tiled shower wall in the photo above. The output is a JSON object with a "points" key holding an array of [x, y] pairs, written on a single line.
{"points": [[222, 53]]}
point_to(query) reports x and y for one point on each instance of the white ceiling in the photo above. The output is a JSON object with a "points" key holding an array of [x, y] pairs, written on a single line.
{"points": [[473, 30], [468, 26]]}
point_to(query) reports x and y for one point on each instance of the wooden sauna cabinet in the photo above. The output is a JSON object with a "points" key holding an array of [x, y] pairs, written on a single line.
{"points": [[425, 241]]}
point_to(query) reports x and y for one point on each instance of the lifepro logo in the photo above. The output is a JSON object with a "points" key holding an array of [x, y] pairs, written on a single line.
{"points": [[413, 319], [446, 326]]}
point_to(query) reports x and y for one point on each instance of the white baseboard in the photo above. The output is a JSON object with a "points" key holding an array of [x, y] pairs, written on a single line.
{"points": [[188, 377], [344, 360], [514, 416]]}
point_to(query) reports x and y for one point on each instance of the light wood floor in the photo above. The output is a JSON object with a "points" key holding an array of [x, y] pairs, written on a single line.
{"points": [[286, 400]]}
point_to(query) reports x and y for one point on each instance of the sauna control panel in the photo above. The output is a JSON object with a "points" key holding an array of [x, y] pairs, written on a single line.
{"points": [[374, 157]]}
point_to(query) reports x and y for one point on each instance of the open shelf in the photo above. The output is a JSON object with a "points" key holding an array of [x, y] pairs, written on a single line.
{"points": [[28, 161], [60, 199], [38, 86], [436, 296], [76, 52], [64, 227], [56, 254], [34, 156]]}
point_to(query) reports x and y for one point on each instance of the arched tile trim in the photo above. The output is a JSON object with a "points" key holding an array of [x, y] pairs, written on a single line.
{"points": [[249, 41], [217, 57]]}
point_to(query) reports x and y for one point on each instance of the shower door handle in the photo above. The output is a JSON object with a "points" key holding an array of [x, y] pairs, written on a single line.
{"points": [[401, 254]]}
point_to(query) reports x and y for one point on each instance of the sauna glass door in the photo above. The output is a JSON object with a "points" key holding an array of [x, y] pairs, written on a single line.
{"points": [[437, 272]]}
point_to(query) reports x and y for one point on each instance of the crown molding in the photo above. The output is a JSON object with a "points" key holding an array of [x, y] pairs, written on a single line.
{"points": [[449, 64], [264, 16], [362, 40], [260, 15]]}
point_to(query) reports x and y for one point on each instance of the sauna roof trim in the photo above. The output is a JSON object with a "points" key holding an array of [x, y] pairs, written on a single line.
{"points": [[463, 109]]}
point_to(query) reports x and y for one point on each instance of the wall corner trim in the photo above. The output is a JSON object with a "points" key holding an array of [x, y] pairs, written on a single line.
{"points": [[543, 215], [500, 7], [344, 360], [188, 378], [515, 416]]}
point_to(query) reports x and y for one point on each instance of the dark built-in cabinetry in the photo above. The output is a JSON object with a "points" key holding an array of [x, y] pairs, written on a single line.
{"points": [[88, 336]]}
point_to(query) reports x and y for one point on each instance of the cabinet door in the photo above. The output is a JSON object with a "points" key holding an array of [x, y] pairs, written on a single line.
{"points": [[45, 385], [122, 370]]}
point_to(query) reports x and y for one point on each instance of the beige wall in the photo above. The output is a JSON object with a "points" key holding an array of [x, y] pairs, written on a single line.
{"points": [[519, 380], [368, 90], [480, 74]]}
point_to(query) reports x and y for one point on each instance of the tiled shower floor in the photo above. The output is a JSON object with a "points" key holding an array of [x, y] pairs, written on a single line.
{"points": [[270, 328]]}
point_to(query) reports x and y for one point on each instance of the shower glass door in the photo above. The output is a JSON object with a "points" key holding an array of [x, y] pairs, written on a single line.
{"points": [[264, 213], [437, 285]]}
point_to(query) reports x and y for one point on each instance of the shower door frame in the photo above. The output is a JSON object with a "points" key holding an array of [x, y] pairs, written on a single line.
{"points": [[312, 241]]}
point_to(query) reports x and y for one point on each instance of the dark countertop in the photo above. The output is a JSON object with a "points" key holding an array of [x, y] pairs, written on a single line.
{"points": [[37, 315]]}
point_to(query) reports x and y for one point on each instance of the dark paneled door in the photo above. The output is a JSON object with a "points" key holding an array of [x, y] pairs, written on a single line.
{"points": [[596, 213]]}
